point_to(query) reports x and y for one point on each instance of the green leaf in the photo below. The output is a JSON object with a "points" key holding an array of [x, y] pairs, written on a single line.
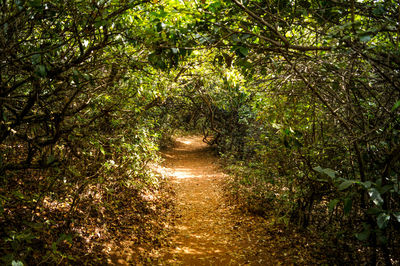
{"points": [[286, 131], [20, 4], [17, 263], [36, 59], [35, 3], [379, 10], [348, 202], [375, 196], [365, 38], [19, 194], [244, 51], [385, 189], [40, 70], [319, 169], [245, 36], [331, 173], [383, 220], [332, 204], [102, 150], [374, 211], [214, 6], [345, 184], [397, 216], [396, 105], [364, 235], [366, 184]]}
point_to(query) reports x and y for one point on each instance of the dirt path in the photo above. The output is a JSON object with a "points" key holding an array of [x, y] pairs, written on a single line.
{"points": [[204, 229], [205, 226]]}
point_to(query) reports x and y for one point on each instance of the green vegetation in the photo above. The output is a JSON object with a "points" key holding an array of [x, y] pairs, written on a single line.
{"points": [[301, 97]]}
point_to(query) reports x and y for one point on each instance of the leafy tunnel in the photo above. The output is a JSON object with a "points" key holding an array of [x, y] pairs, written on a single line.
{"points": [[299, 97]]}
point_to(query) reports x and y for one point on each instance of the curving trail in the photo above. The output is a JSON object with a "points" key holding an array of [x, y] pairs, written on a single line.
{"points": [[205, 227]]}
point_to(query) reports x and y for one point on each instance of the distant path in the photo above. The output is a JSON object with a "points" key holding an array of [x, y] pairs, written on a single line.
{"points": [[205, 227]]}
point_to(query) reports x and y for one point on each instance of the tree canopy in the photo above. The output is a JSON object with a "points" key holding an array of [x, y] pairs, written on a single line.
{"points": [[300, 97]]}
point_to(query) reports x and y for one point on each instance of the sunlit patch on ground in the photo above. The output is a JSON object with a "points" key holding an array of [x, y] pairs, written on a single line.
{"points": [[186, 141], [204, 227]]}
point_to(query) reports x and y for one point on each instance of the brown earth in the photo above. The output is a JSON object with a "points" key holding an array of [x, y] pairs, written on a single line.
{"points": [[205, 226]]}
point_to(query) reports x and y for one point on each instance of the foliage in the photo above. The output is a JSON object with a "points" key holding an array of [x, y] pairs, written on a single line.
{"points": [[75, 136], [311, 114], [300, 97]]}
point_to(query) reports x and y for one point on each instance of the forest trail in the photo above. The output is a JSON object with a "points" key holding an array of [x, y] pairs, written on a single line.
{"points": [[205, 227]]}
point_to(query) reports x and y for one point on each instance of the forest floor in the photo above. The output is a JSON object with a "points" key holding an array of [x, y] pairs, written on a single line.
{"points": [[207, 228]]}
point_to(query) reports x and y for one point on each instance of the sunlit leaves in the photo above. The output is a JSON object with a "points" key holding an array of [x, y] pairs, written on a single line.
{"points": [[375, 196], [383, 220], [397, 216], [17, 263]]}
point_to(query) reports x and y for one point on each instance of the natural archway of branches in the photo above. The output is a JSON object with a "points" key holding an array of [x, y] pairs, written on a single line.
{"points": [[300, 100]]}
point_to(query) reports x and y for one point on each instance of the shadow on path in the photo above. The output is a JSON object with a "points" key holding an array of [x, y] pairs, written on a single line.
{"points": [[204, 226]]}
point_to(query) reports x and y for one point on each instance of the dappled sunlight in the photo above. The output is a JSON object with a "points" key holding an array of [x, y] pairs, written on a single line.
{"points": [[187, 141], [187, 173], [204, 227], [184, 174]]}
